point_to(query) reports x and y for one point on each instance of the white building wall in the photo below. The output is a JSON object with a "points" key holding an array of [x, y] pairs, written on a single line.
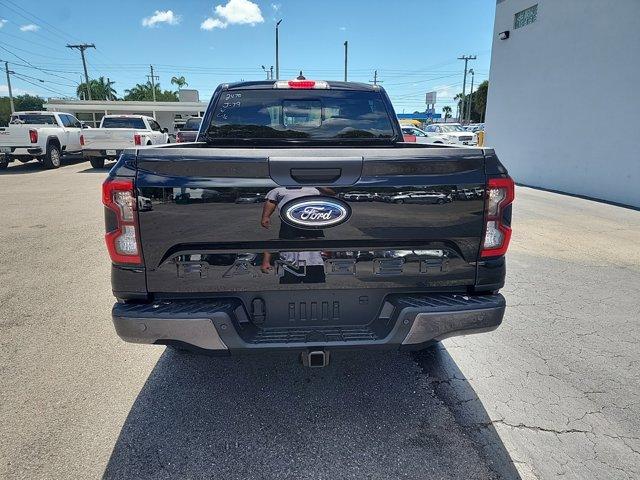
{"points": [[563, 110]]}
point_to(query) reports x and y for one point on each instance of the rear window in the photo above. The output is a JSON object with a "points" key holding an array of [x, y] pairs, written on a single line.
{"points": [[34, 119], [316, 115], [123, 122], [192, 124]]}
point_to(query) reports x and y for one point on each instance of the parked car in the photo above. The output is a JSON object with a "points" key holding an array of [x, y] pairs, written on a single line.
{"points": [[415, 134], [420, 197], [42, 136], [289, 273], [189, 132], [454, 132], [474, 127], [117, 132], [358, 196], [250, 198]]}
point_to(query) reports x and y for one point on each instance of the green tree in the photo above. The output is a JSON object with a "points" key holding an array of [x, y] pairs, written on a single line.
{"points": [[458, 100], [479, 102], [101, 89], [21, 102], [447, 112], [143, 92], [179, 81]]}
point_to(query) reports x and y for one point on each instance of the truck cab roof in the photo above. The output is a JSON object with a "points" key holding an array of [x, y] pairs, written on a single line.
{"points": [[268, 84]]}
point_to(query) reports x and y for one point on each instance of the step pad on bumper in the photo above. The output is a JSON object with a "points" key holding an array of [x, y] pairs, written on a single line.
{"points": [[404, 320], [314, 334]]}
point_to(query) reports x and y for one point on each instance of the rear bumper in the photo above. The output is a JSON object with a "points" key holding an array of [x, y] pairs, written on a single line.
{"points": [[101, 153], [24, 152], [409, 322]]}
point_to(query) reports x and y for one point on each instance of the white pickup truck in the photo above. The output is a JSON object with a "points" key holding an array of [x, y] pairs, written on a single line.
{"points": [[42, 136], [118, 132]]}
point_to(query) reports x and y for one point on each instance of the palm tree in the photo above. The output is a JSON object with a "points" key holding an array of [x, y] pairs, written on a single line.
{"points": [[101, 89], [459, 98], [179, 81], [144, 92], [447, 112]]}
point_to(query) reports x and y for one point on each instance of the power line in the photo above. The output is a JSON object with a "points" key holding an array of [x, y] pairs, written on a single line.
{"points": [[44, 88], [32, 65]]}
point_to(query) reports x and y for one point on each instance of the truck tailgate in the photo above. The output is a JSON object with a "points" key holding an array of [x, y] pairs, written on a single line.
{"points": [[108, 138], [416, 218], [15, 135]]}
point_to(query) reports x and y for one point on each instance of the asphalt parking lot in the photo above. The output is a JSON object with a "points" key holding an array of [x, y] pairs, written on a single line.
{"points": [[554, 392]]}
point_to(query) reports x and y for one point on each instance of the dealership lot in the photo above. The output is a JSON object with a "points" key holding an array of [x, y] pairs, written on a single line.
{"points": [[554, 391]]}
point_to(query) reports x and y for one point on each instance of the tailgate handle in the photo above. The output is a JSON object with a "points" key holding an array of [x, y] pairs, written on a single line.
{"points": [[329, 171], [315, 175]]}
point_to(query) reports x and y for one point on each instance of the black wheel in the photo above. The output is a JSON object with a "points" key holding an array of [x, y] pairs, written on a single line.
{"points": [[399, 200], [97, 162], [53, 157], [4, 163], [440, 201]]}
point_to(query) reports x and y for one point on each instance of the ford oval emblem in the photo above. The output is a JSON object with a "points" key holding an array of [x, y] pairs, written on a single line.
{"points": [[315, 212]]}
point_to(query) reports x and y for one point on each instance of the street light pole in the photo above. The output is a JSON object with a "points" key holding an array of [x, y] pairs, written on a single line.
{"points": [[9, 72], [470, 96], [277, 52], [466, 58], [346, 52]]}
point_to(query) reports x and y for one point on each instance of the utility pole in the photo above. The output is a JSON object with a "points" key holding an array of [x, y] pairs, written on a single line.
{"points": [[82, 47], [271, 70], [9, 72], [346, 52], [470, 96], [277, 52], [152, 79], [375, 80], [108, 89], [466, 58]]}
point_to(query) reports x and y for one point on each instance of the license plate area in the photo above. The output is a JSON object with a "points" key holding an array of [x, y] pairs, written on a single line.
{"points": [[111, 152], [5, 149], [314, 308]]}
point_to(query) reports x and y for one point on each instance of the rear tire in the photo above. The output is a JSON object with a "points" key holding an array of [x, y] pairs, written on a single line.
{"points": [[4, 163], [52, 159], [399, 200], [97, 162]]}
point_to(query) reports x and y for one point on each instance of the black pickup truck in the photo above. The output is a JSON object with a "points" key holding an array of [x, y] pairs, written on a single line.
{"points": [[288, 225]]}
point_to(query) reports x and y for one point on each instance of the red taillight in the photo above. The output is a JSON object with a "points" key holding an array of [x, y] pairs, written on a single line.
{"points": [[499, 195], [179, 137], [82, 140], [409, 138], [122, 241], [33, 136], [137, 139], [301, 84], [308, 84]]}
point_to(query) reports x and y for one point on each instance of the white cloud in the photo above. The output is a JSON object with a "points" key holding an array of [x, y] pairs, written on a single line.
{"points": [[343, 28], [211, 23], [4, 90], [31, 27], [161, 16], [235, 12], [276, 6], [2, 22]]}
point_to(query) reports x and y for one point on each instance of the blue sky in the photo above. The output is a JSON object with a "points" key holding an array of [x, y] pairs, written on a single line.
{"points": [[414, 45]]}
